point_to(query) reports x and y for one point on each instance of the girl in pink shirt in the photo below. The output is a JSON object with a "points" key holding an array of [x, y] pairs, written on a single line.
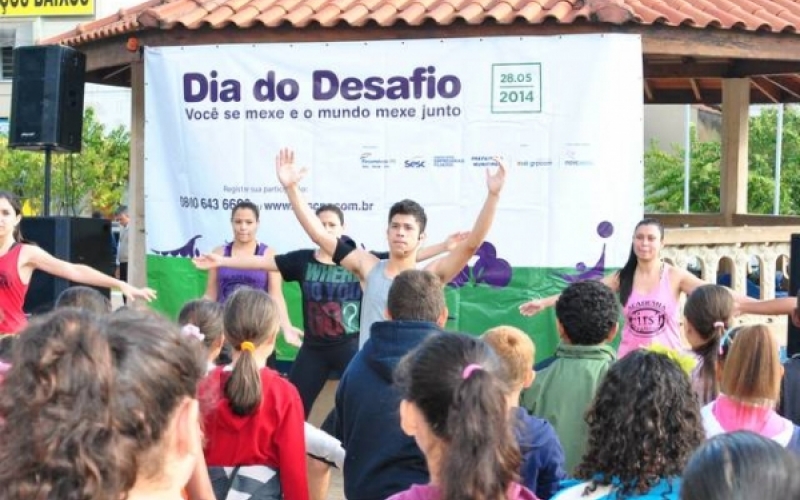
{"points": [[750, 388]]}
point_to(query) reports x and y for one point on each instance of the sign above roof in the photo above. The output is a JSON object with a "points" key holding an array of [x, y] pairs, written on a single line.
{"points": [[46, 8]]}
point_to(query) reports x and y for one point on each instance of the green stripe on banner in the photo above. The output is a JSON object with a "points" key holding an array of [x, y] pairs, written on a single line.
{"points": [[474, 307]]}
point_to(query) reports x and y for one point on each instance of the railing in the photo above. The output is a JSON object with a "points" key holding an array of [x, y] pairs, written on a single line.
{"points": [[753, 260]]}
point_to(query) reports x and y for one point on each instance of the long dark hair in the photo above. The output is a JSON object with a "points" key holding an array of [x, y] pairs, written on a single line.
{"points": [[625, 275], [157, 368], [644, 423], [741, 465], [250, 316], [709, 309], [16, 205], [466, 410], [58, 433]]}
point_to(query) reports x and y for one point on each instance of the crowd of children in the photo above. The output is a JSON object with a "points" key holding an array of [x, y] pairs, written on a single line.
{"points": [[98, 405]]}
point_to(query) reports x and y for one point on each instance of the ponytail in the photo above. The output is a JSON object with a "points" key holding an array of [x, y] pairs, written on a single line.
{"points": [[709, 353], [251, 320], [243, 388], [482, 457], [625, 277]]}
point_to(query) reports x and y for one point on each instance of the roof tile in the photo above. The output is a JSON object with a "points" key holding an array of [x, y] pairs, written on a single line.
{"points": [[777, 16]]}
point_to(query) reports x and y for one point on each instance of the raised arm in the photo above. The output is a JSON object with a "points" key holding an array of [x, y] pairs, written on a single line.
{"points": [[356, 260], [536, 306], [213, 261], [451, 264], [448, 245], [771, 307], [36, 258]]}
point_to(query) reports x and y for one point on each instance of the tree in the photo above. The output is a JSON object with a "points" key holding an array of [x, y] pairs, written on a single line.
{"points": [[664, 170], [94, 179]]}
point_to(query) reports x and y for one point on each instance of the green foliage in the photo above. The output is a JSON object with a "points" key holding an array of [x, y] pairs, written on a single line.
{"points": [[664, 170], [94, 179]]}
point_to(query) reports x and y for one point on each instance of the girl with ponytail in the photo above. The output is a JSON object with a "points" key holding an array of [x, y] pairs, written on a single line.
{"points": [[253, 418], [454, 405], [18, 261], [709, 314]]}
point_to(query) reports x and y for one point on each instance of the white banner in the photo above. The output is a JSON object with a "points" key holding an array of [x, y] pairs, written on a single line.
{"points": [[377, 122]]}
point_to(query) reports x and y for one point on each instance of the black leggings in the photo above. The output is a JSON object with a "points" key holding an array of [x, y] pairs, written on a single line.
{"points": [[314, 365]]}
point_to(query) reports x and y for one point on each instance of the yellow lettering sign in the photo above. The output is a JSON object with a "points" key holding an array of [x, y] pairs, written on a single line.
{"points": [[46, 8]]}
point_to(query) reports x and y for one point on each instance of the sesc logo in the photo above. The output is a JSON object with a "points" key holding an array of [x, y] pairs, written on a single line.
{"points": [[415, 162]]}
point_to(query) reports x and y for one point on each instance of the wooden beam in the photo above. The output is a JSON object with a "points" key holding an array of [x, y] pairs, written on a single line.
{"points": [[648, 92], [696, 90], [766, 220], [763, 89], [137, 264], [735, 128], [656, 40], [717, 69], [784, 88], [711, 96], [688, 220]]}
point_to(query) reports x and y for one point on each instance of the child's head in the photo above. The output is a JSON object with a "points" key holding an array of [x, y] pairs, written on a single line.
{"points": [[708, 312], [84, 297], [516, 351], [207, 317], [587, 313], [251, 324], [644, 423], [416, 295], [741, 465], [157, 372], [57, 436], [6, 346], [751, 366], [454, 406]]}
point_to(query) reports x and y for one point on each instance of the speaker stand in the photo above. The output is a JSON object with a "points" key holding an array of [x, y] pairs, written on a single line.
{"points": [[47, 173]]}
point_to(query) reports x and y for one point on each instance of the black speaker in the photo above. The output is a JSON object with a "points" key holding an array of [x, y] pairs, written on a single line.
{"points": [[75, 239], [793, 335], [47, 98]]}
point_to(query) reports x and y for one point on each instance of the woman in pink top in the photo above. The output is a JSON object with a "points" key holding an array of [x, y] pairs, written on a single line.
{"points": [[649, 290]]}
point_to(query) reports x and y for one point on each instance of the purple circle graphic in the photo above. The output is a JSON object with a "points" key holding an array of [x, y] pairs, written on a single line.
{"points": [[605, 229]]}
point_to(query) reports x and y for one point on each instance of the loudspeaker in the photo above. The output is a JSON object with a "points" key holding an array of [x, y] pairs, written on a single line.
{"points": [[77, 240], [47, 98], [793, 335]]}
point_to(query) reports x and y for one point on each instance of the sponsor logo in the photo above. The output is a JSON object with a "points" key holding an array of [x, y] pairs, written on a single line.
{"points": [[370, 161], [446, 161]]}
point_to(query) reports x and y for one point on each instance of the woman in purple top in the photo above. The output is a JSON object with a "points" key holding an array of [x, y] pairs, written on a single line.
{"points": [[223, 281]]}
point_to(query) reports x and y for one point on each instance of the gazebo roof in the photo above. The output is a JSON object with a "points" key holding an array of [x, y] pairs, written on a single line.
{"points": [[756, 39]]}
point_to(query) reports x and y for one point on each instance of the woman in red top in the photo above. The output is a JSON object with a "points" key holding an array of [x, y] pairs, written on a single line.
{"points": [[18, 261]]}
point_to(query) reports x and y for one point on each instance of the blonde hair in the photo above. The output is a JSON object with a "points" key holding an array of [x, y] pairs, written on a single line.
{"points": [[752, 366], [515, 348]]}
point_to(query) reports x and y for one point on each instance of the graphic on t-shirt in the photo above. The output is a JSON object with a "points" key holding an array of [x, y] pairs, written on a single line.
{"points": [[332, 299], [5, 283], [646, 317], [234, 281]]}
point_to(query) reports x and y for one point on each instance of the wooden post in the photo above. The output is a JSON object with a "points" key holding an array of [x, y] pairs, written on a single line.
{"points": [[735, 131], [137, 270]]}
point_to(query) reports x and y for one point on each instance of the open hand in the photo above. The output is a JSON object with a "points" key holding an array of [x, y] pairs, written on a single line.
{"points": [[452, 241], [533, 307], [496, 180], [294, 336], [288, 173], [207, 261], [133, 293]]}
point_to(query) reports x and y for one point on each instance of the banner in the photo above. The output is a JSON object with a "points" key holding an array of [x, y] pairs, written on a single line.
{"points": [[46, 8], [376, 122]]}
